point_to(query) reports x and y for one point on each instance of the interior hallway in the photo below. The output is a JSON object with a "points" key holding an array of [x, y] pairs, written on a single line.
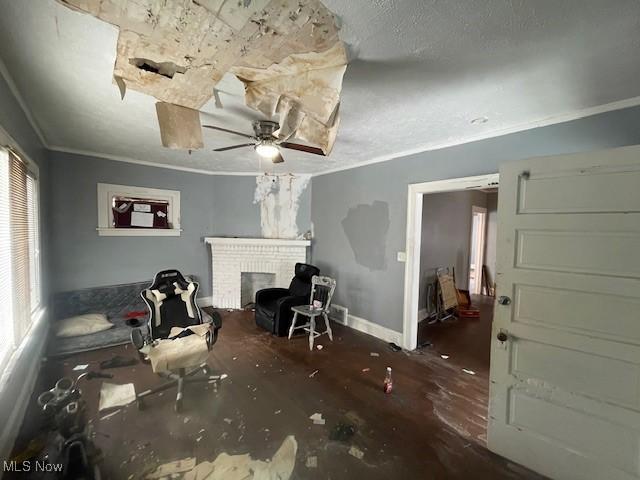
{"points": [[430, 427], [466, 341]]}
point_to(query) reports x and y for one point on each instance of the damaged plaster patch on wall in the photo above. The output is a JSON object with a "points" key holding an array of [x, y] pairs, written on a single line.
{"points": [[366, 228], [286, 52], [279, 200]]}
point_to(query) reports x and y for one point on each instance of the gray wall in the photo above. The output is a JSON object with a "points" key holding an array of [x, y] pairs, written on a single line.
{"points": [[372, 288], [210, 206], [446, 236], [491, 239]]}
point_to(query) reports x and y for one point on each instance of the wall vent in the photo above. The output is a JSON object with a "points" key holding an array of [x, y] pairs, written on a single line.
{"points": [[338, 313]]}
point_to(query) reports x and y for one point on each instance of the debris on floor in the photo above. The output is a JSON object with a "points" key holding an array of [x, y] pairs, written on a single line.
{"points": [[243, 467], [312, 462], [313, 374], [342, 432], [319, 347], [470, 372], [317, 419], [114, 395], [109, 415], [374, 354], [394, 348], [172, 468], [356, 452], [118, 362], [366, 369], [80, 367], [445, 357]]}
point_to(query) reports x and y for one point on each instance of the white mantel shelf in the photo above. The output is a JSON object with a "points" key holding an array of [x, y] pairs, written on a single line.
{"points": [[230, 257], [257, 241]]}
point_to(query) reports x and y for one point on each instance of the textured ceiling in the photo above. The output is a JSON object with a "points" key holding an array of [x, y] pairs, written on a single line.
{"points": [[421, 72]]}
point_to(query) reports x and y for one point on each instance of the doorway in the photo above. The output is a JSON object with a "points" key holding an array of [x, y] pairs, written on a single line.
{"points": [[476, 250], [416, 192]]}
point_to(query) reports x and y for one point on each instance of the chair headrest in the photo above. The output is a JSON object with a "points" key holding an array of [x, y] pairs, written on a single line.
{"points": [[305, 272]]}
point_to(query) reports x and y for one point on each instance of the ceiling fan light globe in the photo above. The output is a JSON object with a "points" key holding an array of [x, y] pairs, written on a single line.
{"points": [[267, 150]]}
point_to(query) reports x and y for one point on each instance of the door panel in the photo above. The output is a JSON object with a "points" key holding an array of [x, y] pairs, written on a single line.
{"points": [[590, 312], [565, 387], [617, 191]]}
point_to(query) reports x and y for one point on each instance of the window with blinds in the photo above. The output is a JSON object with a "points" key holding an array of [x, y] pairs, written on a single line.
{"points": [[20, 295]]}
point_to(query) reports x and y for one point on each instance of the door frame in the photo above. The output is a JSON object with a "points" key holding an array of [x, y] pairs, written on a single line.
{"points": [[416, 191], [481, 246]]}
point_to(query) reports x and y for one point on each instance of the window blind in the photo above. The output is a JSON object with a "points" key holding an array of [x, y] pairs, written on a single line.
{"points": [[6, 289], [34, 241], [19, 223]]}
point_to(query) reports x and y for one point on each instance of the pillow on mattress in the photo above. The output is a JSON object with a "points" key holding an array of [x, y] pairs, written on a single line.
{"points": [[82, 325]]}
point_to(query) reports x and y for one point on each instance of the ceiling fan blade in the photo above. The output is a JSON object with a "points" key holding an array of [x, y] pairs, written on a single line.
{"points": [[224, 149], [277, 159], [302, 148], [228, 131]]}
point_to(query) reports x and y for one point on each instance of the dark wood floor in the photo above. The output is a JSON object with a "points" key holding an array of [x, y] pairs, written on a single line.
{"points": [[430, 427], [467, 341]]}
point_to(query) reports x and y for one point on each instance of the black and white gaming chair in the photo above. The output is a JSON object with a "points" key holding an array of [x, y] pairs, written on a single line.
{"points": [[171, 300]]}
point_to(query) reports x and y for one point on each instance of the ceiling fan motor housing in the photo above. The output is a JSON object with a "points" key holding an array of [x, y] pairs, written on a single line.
{"points": [[264, 129]]}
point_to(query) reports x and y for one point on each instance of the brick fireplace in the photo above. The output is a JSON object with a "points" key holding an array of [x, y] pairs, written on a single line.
{"points": [[230, 257]]}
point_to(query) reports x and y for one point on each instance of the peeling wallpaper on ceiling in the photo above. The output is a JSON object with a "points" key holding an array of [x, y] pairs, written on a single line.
{"points": [[286, 52]]}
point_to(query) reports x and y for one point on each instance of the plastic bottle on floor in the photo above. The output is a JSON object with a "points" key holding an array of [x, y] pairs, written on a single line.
{"points": [[388, 382]]}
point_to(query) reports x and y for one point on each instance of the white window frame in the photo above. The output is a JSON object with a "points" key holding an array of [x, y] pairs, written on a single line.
{"points": [[37, 314], [106, 192]]}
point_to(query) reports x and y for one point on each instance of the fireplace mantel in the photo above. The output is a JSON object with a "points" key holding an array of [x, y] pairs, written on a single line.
{"points": [[230, 257], [257, 241]]}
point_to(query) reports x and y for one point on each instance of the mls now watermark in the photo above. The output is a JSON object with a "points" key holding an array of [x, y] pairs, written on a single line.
{"points": [[35, 466]]}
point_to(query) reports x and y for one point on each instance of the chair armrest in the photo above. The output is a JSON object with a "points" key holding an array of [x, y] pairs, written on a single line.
{"points": [[216, 324], [286, 303], [267, 294]]}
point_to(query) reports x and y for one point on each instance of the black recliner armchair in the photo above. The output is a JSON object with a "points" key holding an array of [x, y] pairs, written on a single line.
{"points": [[273, 305]]}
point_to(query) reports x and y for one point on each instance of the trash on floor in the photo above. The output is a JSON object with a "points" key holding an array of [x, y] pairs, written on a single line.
{"points": [[374, 354], [470, 372], [114, 395], [312, 462], [356, 452], [342, 432], [319, 347], [81, 367], [171, 468], [317, 419], [394, 348], [313, 374], [445, 357], [366, 369], [117, 362], [109, 415], [243, 467]]}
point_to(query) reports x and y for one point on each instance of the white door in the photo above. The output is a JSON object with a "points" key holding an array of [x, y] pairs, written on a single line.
{"points": [[565, 385]]}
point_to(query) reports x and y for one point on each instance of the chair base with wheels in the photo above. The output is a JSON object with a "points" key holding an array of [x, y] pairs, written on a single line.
{"points": [[310, 326], [179, 379]]}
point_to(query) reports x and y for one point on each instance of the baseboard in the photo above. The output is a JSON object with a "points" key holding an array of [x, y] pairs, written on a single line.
{"points": [[204, 301], [20, 374], [370, 328]]}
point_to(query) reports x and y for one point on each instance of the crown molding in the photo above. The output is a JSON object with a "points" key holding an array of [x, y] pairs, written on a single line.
{"points": [[554, 120], [119, 158]]}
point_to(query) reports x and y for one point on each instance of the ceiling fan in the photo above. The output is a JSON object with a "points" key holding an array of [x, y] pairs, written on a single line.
{"points": [[265, 143]]}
